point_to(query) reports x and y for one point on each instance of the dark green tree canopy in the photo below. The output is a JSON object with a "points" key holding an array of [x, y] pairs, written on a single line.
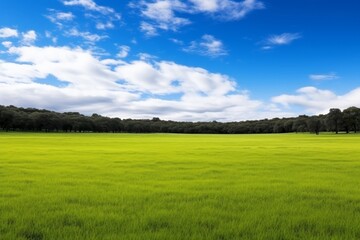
{"points": [[29, 119]]}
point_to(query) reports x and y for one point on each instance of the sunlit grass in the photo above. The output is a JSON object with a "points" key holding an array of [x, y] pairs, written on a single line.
{"points": [[123, 186]]}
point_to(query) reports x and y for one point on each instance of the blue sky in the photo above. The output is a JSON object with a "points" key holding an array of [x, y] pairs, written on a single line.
{"points": [[191, 60]]}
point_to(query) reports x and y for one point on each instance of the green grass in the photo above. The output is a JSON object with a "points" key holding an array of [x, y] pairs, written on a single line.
{"points": [[123, 186]]}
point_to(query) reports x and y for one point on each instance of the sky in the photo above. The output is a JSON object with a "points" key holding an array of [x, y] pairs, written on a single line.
{"points": [[184, 60]]}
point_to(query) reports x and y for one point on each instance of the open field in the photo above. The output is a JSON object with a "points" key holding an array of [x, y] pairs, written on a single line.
{"points": [[123, 186]]}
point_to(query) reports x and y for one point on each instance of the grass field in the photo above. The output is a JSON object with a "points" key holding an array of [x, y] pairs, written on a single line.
{"points": [[123, 186]]}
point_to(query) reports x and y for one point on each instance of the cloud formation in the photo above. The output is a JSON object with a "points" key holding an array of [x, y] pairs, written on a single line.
{"points": [[207, 46], [89, 5], [164, 14], [59, 18], [123, 51], [89, 37], [143, 88], [104, 17], [8, 32], [29, 37], [318, 101], [226, 9], [138, 89]]}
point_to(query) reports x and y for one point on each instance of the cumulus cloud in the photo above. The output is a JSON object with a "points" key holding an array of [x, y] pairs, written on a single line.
{"points": [[207, 46], [168, 77], [8, 32], [18, 73], [149, 29], [162, 14], [282, 39], [29, 37], [73, 65], [60, 99], [137, 89], [7, 44], [317, 101], [323, 77]]}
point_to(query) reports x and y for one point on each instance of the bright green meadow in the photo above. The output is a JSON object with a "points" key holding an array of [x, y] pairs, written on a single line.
{"points": [[168, 186]]}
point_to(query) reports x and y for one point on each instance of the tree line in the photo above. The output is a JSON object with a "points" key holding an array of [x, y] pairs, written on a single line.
{"points": [[37, 120]]}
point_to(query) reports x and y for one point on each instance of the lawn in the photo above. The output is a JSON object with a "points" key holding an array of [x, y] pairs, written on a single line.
{"points": [[158, 186]]}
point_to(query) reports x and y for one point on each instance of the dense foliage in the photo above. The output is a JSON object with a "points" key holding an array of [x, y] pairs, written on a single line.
{"points": [[29, 119]]}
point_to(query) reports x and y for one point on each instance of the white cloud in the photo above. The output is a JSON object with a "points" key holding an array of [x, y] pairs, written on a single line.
{"points": [[282, 39], [318, 101], [207, 46], [206, 5], [73, 65], [163, 14], [105, 20], [8, 32], [90, 37], [168, 78], [59, 17], [104, 26], [89, 5], [61, 98], [117, 88], [18, 73], [227, 9], [123, 51], [148, 29], [29, 37], [66, 16], [323, 77], [146, 57], [7, 44]]}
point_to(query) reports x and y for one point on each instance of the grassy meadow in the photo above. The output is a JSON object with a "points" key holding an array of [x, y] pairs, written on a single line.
{"points": [[168, 186]]}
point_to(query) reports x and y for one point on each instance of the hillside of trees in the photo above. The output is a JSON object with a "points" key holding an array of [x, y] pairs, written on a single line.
{"points": [[35, 120]]}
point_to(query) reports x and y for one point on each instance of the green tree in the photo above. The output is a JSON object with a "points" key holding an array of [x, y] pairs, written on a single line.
{"points": [[334, 119], [351, 117], [314, 124]]}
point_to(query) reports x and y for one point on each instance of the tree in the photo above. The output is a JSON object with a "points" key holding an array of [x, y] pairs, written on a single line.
{"points": [[6, 118], [334, 119], [351, 117], [300, 124], [31, 119], [314, 124], [279, 127]]}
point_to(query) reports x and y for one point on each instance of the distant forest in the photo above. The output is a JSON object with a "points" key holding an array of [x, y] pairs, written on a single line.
{"points": [[35, 120]]}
